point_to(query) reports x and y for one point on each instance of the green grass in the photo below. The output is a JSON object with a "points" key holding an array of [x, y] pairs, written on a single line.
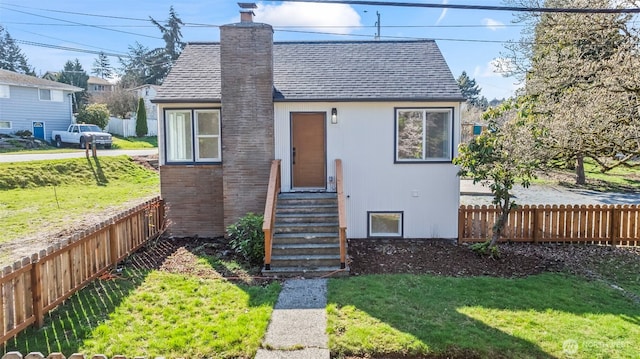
{"points": [[481, 317], [49, 195], [156, 313], [131, 143], [619, 179]]}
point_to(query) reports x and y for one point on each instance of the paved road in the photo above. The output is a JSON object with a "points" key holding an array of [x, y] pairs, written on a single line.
{"points": [[539, 194], [23, 157]]}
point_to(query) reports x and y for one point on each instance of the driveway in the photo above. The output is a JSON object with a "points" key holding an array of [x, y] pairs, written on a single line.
{"points": [[23, 157], [471, 194]]}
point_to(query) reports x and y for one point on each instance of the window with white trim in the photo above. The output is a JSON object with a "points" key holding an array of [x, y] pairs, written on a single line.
{"points": [[424, 135], [192, 135], [5, 125], [50, 95], [5, 91], [385, 224]]}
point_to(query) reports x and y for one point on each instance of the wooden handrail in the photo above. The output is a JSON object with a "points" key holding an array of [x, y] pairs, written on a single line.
{"points": [[342, 214], [270, 211]]}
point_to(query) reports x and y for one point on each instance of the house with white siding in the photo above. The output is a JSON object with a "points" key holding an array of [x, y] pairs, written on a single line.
{"points": [[34, 104], [389, 111]]}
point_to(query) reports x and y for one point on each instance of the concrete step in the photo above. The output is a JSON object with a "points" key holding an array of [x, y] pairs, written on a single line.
{"points": [[294, 218], [309, 238], [305, 249], [319, 227], [309, 199], [310, 272], [305, 261], [306, 208]]}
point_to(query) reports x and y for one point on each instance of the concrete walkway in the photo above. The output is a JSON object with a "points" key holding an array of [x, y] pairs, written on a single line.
{"points": [[298, 326]]}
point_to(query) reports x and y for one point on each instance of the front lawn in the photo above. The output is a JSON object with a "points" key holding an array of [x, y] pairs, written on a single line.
{"points": [[182, 308], [550, 315], [45, 196], [134, 143]]}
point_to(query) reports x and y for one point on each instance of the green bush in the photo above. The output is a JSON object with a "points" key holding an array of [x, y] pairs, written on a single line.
{"points": [[247, 239], [141, 119], [96, 114]]}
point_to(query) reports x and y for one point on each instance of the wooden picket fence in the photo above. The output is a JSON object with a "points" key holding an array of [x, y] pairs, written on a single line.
{"points": [[35, 285], [593, 224]]}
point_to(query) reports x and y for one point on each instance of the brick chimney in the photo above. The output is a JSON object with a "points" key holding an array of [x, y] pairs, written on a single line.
{"points": [[246, 11], [246, 61]]}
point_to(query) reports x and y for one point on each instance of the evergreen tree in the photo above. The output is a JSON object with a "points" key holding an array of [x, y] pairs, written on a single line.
{"points": [[471, 91], [141, 119], [73, 74], [102, 67], [11, 56]]}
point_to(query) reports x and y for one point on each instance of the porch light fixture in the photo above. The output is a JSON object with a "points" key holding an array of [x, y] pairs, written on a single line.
{"points": [[334, 115]]}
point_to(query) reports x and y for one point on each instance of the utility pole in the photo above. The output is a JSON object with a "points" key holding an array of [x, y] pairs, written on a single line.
{"points": [[377, 37]]}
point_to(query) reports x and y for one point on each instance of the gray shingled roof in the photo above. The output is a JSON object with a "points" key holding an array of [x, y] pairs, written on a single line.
{"points": [[13, 78], [325, 71]]}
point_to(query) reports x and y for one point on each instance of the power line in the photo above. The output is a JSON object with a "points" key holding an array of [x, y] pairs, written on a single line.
{"points": [[476, 7], [79, 23], [67, 48], [69, 41]]}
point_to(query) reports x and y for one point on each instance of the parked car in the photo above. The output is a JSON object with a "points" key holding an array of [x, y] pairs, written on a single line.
{"points": [[81, 134]]}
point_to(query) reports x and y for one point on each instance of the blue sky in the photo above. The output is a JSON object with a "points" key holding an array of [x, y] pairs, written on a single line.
{"points": [[470, 40]]}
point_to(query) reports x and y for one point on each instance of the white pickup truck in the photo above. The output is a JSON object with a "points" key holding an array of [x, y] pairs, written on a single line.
{"points": [[80, 134]]}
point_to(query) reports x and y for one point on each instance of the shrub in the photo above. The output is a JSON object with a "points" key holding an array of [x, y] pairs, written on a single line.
{"points": [[24, 133], [96, 114], [141, 119], [247, 239]]}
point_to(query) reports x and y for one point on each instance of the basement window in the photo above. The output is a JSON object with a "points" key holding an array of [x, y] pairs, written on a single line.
{"points": [[5, 125], [385, 224]]}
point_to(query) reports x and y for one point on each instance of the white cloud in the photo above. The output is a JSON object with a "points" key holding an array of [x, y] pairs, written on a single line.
{"points": [[492, 24], [443, 13], [309, 14]]}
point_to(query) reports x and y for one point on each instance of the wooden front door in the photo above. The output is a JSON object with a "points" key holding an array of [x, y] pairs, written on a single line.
{"points": [[308, 152]]}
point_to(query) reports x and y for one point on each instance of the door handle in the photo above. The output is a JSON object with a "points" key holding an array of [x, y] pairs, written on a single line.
{"points": [[293, 160]]}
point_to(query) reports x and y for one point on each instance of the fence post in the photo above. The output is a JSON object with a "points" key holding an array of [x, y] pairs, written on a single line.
{"points": [[615, 224], [36, 291], [460, 224], [535, 223], [113, 244]]}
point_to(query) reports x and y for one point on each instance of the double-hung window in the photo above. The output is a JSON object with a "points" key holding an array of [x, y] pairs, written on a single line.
{"points": [[424, 135], [50, 95], [192, 135]]}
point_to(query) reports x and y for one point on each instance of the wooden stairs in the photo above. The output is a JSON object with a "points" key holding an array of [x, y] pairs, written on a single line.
{"points": [[306, 236]]}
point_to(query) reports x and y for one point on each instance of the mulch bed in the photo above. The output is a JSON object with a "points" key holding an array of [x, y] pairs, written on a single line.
{"points": [[413, 256]]}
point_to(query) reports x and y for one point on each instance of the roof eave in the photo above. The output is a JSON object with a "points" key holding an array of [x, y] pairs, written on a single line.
{"points": [[380, 99], [186, 100]]}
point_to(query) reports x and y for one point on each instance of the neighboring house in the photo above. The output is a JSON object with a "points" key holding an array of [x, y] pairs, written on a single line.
{"points": [[34, 104], [97, 86], [390, 110], [148, 93]]}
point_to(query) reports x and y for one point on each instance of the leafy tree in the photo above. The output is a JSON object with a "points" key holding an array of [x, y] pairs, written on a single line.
{"points": [[11, 56], [505, 154], [121, 102], [141, 119], [102, 66], [578, 65], [96, 113], [471, 91], [73, 74]]}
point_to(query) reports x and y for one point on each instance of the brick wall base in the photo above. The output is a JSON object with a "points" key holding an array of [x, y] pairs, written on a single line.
{"points": [[193, 197]]}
